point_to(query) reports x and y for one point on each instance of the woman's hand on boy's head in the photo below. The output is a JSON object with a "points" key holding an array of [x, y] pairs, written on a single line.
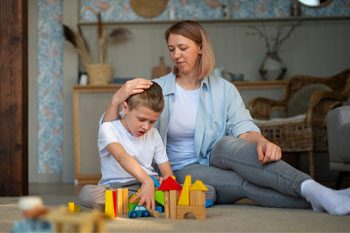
{"points": [[129, 88]]}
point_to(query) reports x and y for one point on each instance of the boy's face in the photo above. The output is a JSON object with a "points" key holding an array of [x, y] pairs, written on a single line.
{"points": [[139, 120]]}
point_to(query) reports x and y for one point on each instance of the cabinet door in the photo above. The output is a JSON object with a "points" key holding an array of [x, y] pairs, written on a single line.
{"points": [[89, 105]]}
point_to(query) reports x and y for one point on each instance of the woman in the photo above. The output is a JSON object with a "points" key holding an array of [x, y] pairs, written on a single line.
{"points": [[210, 135]]}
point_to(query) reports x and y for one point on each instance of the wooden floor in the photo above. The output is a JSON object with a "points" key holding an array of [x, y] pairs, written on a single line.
{"points": [[220, 218]]}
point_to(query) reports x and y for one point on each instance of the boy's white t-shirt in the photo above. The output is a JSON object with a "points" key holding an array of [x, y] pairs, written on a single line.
{"points": [[145, 149]]}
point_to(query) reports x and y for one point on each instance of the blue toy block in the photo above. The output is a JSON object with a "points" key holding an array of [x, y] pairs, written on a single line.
{"points": [[156, 182]]}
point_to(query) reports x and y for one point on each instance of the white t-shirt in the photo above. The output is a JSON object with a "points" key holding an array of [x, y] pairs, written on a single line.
{"points": [[180, 137], [145, 149]]}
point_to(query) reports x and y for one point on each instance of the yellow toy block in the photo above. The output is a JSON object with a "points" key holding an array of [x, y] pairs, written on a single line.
{"points": [[72, 207], [185, 193], [110, 204], [199, 186]]}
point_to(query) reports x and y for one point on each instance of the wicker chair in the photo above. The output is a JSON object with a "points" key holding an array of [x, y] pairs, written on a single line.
{"points": [[306, 132]]}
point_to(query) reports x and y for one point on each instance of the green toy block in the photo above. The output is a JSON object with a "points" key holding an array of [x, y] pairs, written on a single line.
{"points": [[159, 197]]}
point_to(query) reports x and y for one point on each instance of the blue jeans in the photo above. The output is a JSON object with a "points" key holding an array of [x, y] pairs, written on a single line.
{"points": [[236, 173]]}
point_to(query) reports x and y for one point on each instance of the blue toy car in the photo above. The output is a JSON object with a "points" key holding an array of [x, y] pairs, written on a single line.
{"points": [[138, 211]]}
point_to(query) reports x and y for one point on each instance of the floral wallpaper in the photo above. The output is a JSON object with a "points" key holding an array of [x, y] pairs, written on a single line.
{"points": [[50, 86], [120, 10], [50, 49]]}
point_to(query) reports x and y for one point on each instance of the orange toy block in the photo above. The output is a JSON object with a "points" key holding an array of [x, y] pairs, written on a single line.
{"points": [[125, 201], [120, 201]]}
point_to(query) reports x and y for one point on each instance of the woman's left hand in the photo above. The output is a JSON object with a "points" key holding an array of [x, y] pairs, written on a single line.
{"points": [[268, 151]]}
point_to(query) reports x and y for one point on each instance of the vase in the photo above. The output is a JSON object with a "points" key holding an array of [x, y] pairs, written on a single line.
{"points": [[99, 74], [272, 67]]}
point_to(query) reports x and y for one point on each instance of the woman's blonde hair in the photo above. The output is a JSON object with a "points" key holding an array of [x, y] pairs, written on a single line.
{"points": [[194, 31]]}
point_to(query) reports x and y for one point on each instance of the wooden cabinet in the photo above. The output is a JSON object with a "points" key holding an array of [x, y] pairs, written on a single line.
{"points": [[89, 102]]}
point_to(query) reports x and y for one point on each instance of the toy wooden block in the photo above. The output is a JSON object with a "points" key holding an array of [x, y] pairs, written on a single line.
{"points": [[199, 186], [182, 211], [125, 200], [159, 197], [92, 221], [155, 181], [197, 198], [72, 207], [153, 213], [169, 184], [185, 193], [120, 201], [167, 204], [111, 203], [172, 203]]}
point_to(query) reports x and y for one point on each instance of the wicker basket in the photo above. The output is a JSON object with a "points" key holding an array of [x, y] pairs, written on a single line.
{"points": [[99, 74]]}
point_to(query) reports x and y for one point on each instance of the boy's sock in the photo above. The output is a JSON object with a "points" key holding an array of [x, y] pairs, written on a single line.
{"points": [[345, 192], [322, 198]]}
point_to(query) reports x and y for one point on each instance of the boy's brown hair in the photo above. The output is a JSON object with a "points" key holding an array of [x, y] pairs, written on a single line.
{"points": [[151, 98]]}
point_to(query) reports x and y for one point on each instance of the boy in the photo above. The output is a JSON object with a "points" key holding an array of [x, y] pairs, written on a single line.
{"points": [[127, 149]]}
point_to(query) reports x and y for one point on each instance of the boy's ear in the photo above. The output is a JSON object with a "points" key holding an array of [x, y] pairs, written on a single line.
{"points": [[125, 107]]}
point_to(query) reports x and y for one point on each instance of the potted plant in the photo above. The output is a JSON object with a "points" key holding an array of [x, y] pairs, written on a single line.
{"points": [[99, 73], [272, 67]]}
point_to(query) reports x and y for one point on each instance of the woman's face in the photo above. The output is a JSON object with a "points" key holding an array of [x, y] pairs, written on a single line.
{"points": [[184, 53]]}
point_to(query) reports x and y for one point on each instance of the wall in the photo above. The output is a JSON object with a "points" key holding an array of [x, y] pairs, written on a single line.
{"points": [[316, 48], [70, 69], [34, 176]]}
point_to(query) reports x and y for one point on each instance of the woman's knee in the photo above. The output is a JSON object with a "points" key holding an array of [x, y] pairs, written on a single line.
{"points": [[231, 144], [230, 147]]}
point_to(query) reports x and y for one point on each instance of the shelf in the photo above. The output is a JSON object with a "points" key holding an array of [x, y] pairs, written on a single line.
{"points": [[255, 85], [240, 20], [241, 85], [95, 88]]}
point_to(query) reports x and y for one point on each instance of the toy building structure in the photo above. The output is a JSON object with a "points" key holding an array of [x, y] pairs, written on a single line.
{"points": [[176, 200], [65, 221], [190, 201]]}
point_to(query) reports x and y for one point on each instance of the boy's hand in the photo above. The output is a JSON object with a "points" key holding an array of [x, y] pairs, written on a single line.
{"points": [[146, 194], [160, 179]]}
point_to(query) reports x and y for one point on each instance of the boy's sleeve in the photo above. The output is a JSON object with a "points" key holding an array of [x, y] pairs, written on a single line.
{"points": [[107, 134], [160, 155]]}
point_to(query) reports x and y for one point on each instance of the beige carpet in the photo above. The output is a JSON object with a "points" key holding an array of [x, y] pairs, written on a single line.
{"points": [[228, 218]]}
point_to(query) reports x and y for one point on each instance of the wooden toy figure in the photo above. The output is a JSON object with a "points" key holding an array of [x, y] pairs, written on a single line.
{"points": [[32, 208]]}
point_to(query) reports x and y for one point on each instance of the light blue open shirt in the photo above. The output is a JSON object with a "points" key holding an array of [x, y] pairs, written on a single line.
{"points": [[221, 112]]}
